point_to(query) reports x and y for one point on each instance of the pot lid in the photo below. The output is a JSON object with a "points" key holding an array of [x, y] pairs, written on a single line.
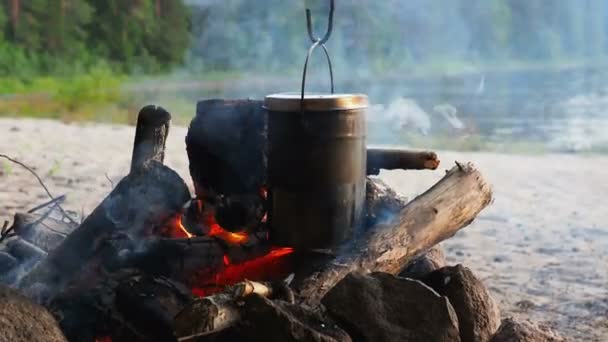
{"points": [[291, 102]]}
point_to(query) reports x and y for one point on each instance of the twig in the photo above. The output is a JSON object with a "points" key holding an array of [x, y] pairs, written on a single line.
{"points": [[39, 181], [109, 180], [6, 233], [58, 200]]}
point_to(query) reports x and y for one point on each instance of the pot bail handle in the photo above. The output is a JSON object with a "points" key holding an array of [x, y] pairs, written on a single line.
{"points": [[315, 43]]}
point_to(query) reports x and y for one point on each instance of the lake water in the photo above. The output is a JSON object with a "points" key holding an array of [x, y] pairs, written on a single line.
{"points": [[564, 110]]}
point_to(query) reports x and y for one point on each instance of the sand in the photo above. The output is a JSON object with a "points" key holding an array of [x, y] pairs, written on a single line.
{"points": [[541, 247]]}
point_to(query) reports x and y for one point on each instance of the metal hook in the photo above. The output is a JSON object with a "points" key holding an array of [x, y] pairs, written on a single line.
{"points": [[330, 24]]}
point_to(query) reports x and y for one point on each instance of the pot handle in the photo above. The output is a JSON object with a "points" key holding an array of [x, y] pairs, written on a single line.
{"points": [[315, 43]]}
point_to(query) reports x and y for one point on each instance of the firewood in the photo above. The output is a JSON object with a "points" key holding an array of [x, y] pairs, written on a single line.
{"points": [[211, 314], [398, 159], [42, 230], [194, 259], [139, 203], [437, 214], [150, 136]]}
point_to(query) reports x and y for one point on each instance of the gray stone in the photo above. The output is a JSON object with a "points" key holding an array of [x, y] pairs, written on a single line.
{"points": [[23, 320], [382, 307], [512, 330], [267, 320], [478, 314], [431, 260]]}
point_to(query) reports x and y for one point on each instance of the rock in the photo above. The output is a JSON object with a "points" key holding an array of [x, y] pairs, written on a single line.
{"points": [[431, 260], [279, 321], [478, 314], [23, 320], [524, 331], [382, 307]]}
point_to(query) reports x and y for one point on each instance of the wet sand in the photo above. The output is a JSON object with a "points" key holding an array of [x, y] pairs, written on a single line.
{"points": [[541, 247]]}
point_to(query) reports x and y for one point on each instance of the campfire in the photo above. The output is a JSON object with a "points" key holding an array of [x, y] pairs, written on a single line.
{"points": [[154, 262], [287, 236]]}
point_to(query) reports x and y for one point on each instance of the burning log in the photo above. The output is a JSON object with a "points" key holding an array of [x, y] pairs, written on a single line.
{"points": [[150, 136], [134, 209], [209, 263], [397, 159], [437, 214]]}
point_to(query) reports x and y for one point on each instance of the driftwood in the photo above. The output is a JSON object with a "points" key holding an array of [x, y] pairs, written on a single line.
{"points": [[136, 206], [150, 136], [397, 159], [437, 214]]}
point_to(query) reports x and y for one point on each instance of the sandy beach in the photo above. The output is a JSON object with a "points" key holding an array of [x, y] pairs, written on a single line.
{"points": [[541, 247]]}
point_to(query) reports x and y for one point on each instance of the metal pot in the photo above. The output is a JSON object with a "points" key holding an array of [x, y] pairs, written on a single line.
{"points": [[316, 168]]}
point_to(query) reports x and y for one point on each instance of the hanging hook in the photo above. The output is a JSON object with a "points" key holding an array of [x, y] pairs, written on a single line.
{"points": [[330, 24]]}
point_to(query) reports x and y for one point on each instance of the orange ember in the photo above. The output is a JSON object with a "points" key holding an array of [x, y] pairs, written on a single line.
{"points": [[175, 229], [272, 266]]}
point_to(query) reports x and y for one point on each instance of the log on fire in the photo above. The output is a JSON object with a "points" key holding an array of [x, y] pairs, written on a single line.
{"points": [[448, 206], [133, 210]]}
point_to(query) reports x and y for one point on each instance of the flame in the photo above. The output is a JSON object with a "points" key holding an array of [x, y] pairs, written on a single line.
{"points": [[216, 230], [274, 265]]}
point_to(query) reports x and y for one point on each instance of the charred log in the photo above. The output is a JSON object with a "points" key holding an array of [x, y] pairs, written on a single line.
{"points": [[150, 136], [226, 147], [227, 154], [140, 202]]}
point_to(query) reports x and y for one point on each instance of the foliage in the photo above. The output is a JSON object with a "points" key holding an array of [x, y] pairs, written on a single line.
{"points": [[52, 37]]}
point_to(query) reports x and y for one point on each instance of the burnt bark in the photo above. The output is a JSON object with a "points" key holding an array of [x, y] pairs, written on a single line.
{"points": [[437, 214], [141, 202], [150, 136]]}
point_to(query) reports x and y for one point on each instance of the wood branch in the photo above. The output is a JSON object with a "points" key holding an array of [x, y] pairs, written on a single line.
{"points": [[42, 230], [226, 147], [436, 215], [398, 159], [211, 314], [196, 260], [138, 204], [150, 136]]}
